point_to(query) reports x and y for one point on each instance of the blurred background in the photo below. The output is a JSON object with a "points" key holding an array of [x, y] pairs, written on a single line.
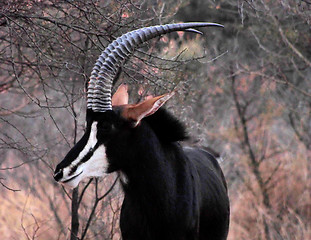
{"points": [[243, 91]]}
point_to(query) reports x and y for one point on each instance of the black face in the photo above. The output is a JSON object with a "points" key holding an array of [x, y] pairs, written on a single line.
{"points": [[88, 157]]}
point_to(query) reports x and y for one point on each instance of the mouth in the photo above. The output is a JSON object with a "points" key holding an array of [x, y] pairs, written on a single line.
{"points": [[72, 178]]}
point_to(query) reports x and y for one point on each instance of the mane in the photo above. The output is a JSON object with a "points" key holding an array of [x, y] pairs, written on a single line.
{"points": [[166, 126]]}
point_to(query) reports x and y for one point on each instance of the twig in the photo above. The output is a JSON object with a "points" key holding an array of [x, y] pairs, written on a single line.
{"points": [[84, 189], [97, 200], [8, 188]]}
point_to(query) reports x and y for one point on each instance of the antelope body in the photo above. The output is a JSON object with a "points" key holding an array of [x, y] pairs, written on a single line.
{"points": [[170, 192]]}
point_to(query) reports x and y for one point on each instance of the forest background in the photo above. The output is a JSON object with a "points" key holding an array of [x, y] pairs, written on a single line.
{"points": [[243, 91]]}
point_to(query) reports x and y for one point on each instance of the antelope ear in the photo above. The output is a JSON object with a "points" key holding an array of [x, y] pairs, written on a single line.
{"points": [[146, 108], [121, 96]]}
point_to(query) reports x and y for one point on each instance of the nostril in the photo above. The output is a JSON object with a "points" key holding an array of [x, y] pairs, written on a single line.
{"points": [[58, 175]]}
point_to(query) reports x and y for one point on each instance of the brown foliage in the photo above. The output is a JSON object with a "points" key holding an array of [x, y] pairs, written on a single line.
{"points": [[244, 91]]}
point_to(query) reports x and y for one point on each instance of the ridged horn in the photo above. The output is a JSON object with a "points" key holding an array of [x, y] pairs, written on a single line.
{"points": [[108, 63]]}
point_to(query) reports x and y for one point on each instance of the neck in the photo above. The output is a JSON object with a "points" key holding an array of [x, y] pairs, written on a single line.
{"points": [[152, 173], [157, 174], [148, 168]]}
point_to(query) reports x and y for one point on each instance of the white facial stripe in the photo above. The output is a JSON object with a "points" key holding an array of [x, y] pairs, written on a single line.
{"points": [[90, 144], [97, 165]]}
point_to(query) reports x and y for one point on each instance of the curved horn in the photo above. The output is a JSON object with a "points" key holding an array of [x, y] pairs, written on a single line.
{"points": [[108, 63]]}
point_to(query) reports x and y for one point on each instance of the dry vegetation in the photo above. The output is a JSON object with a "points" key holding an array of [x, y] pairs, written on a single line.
{"points": [[244, 91]]}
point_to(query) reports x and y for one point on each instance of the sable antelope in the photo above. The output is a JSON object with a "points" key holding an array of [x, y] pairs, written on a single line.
{"points": [[170, 192]]}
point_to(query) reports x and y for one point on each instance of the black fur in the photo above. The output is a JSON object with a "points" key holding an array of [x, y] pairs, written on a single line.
{"points": [[166, 127], [171, 193]]}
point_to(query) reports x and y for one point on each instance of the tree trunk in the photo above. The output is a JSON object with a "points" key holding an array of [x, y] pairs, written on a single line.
{"points": [[75, 214]]}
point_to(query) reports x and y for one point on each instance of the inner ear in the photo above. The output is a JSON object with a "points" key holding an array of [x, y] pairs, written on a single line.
{"points": [[121, 96]]}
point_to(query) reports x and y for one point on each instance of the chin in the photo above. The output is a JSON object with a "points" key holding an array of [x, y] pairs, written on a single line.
{"points": [[72, 184]]}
